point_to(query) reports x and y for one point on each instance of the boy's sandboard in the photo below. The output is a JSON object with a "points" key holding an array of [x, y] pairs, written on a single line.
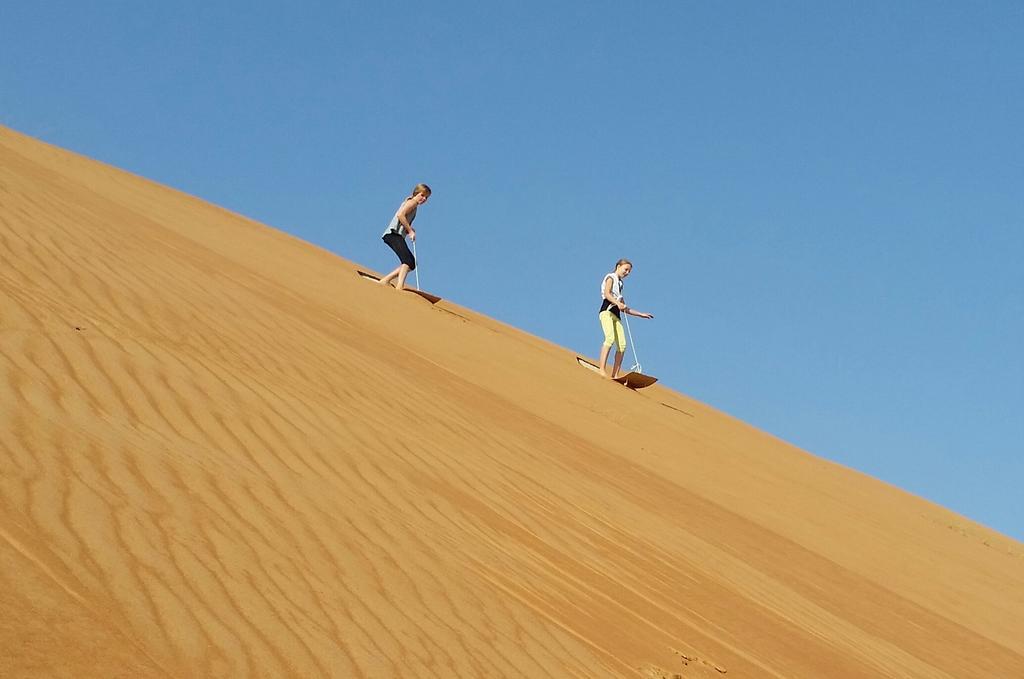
{"points": [[631, 379], [433, 299]]}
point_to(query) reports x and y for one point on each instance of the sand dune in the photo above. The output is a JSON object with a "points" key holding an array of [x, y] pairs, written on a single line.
{"points": [[224, 454]]}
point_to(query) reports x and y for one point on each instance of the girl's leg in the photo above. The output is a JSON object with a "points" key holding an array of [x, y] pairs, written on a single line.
{"points": [[608, 326], [604, 358], [620, 341], [618, 362]]}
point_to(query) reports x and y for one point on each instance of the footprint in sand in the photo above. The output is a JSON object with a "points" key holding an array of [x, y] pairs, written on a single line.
{"points": [[692, 668]]}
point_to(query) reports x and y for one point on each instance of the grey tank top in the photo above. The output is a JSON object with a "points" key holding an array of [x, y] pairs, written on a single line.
{"points": [[397, 227]]}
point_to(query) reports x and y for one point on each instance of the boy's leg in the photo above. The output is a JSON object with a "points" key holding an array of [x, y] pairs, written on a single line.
{"points": [[391, 276], [398, 245], [403, 271]]}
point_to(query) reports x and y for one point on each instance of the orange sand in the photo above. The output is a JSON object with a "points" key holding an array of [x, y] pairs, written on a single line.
{"points": [[224, 454]]}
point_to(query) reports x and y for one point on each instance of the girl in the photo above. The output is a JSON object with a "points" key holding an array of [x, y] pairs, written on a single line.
{"points": [[612, 304], [400, 226]]}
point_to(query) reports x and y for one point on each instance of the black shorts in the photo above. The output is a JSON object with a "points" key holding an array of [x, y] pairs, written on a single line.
{"points": [[401, 248]]}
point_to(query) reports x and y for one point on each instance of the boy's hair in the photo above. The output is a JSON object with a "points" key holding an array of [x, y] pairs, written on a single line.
{"points": [[621, 262], [421, 188]]}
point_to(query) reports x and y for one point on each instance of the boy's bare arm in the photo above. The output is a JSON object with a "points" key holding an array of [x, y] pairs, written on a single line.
{"points": [[403, 217]]}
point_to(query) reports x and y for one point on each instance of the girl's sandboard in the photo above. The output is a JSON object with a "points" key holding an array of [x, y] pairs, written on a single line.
{"points": [[433, 299], [631, 379]]}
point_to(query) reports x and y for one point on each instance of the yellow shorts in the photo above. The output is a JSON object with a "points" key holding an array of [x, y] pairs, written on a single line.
{"points": [[612, 327]]}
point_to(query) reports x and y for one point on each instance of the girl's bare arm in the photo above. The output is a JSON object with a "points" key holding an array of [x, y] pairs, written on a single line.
{"points": [[641, 314], [607, 292]]}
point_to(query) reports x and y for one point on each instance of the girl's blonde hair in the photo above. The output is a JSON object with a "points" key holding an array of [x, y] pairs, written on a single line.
{"points": [[621, 262], [420, 188]]}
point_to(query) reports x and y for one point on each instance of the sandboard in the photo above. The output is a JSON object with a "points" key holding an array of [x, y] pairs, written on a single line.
{"points": [[433, 299], [631, 379]]}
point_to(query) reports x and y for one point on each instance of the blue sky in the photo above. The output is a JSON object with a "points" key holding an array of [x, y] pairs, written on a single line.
{"points": [[823, 201]]}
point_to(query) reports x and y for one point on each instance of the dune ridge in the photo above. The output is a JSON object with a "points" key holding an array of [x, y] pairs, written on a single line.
{"points": [[224, 454]]}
